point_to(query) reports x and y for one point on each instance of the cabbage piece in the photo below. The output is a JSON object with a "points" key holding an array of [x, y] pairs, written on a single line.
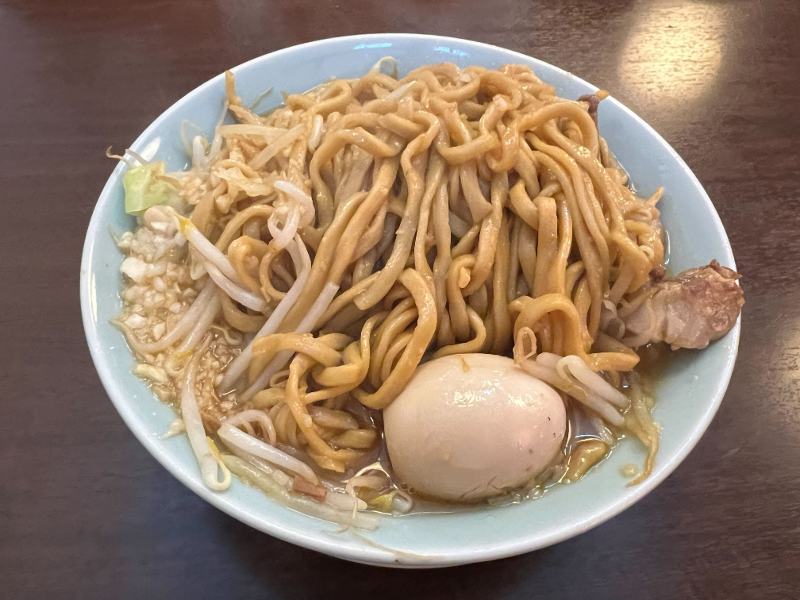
{"points": [[144, 189]]}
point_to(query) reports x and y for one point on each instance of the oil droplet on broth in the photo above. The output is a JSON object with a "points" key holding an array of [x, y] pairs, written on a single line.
{"points": [[629, 470]]}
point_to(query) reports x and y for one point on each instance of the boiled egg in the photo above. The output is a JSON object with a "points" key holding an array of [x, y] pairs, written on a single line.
{"points": [[472, 426]]}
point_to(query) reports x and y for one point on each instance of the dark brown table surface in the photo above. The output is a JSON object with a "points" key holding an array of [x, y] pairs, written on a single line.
{"points": [[86, 512]]}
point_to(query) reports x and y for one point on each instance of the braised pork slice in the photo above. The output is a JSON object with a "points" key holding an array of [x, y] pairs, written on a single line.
{"points": [[688, 311]]}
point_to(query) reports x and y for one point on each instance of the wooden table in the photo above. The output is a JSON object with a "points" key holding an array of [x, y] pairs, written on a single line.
{"points": [[85, 511]]}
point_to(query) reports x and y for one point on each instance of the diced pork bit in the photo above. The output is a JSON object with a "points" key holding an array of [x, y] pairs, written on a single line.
{"points": [[305, 487], [688, 311], [593, 101]]}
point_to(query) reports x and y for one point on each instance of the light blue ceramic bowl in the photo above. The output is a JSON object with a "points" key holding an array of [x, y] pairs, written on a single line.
{"points": [[688, 395]]}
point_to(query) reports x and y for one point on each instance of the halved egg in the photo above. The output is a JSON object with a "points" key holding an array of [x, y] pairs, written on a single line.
{"points": [[472, 426]]}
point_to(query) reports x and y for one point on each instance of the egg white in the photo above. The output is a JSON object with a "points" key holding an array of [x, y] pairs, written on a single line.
{"points": [[472, 426]]}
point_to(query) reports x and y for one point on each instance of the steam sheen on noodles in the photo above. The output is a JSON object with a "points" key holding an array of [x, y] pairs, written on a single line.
{"points": [[366, 227]]}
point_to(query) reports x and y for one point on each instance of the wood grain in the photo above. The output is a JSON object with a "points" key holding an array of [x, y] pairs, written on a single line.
{"points": [[85, 512]]}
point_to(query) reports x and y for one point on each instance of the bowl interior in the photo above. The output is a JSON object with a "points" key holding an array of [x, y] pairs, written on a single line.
{"points": [[689, 392]]}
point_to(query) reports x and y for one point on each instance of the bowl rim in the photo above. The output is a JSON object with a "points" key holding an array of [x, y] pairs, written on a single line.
{"points": [[519, 544]]}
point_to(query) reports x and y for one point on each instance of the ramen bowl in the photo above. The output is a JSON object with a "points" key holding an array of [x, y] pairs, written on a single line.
{"points": [[688, 392]]}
